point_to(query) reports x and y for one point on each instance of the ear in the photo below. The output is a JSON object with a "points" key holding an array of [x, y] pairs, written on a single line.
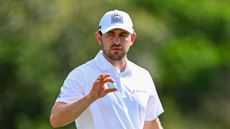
{"points": [[98, 37], [133, 37]]}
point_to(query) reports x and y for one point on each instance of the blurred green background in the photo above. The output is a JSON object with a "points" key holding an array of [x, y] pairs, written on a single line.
{"points": [[184, 44]]}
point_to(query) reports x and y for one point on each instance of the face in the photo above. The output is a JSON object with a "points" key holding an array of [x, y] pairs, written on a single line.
{"points": [[116, 43]]}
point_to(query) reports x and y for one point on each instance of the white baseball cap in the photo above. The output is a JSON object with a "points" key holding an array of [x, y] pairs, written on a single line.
{"points": [[116, 19]]}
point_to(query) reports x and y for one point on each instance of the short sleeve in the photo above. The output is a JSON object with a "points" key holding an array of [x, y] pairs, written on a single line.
{"points": [[72, 88], [154, 106]]}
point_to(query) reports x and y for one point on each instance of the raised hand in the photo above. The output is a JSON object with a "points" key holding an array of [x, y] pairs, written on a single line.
{"points": [[99, 90]]}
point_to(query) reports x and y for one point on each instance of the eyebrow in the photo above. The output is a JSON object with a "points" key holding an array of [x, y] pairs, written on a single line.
{"points": [[111, 31]]}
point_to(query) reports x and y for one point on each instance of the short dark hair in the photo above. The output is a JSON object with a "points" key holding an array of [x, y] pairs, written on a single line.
{"points": [[100, 32]]}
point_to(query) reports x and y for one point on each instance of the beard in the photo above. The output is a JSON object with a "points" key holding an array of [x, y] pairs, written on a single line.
{"points": [[116, 55]]}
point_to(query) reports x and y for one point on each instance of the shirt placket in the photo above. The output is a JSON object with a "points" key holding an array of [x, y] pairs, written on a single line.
{"points": [[115, 76]]}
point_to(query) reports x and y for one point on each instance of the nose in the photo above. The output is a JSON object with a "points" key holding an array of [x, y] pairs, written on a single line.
{"points": [[116, 40]]}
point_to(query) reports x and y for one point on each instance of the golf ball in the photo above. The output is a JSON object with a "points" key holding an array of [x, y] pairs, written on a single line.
{"points": [[111, 85]]}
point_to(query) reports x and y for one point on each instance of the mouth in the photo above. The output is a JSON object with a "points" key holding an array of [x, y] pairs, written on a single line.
{"points": [[116, 49]]}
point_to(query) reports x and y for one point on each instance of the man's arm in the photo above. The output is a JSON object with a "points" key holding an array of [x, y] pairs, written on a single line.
{"points": [[63, 113], [154, 124]]}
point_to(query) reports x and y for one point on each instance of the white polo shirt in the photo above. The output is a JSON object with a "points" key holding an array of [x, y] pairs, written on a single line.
{"points": [[135, 101]]}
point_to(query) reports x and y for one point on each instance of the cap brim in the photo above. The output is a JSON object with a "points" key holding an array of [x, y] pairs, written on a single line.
{"points": [[105, 30]]}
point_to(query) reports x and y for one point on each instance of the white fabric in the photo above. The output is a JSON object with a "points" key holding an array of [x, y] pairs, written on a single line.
{"points": [[135, 101], [116, 19]]}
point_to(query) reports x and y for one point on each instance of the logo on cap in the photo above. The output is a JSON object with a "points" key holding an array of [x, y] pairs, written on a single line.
{"points": [[116, 18]]}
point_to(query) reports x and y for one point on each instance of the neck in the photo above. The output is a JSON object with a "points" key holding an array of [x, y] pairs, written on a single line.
{"points": [[119, 64]]}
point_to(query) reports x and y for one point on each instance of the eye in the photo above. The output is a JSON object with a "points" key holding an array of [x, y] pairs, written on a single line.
{"points": [[110, 34], [124, 34]]}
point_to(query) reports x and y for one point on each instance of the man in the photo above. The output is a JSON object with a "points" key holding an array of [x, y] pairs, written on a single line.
{"points": [[109, 91]]}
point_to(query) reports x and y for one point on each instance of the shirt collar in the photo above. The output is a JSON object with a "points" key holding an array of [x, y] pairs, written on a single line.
{"points": [[102, 62]]}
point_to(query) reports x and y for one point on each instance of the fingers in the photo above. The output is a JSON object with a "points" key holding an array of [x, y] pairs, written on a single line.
{"points": [[99, 89], [104, 78], [110, 90]]}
